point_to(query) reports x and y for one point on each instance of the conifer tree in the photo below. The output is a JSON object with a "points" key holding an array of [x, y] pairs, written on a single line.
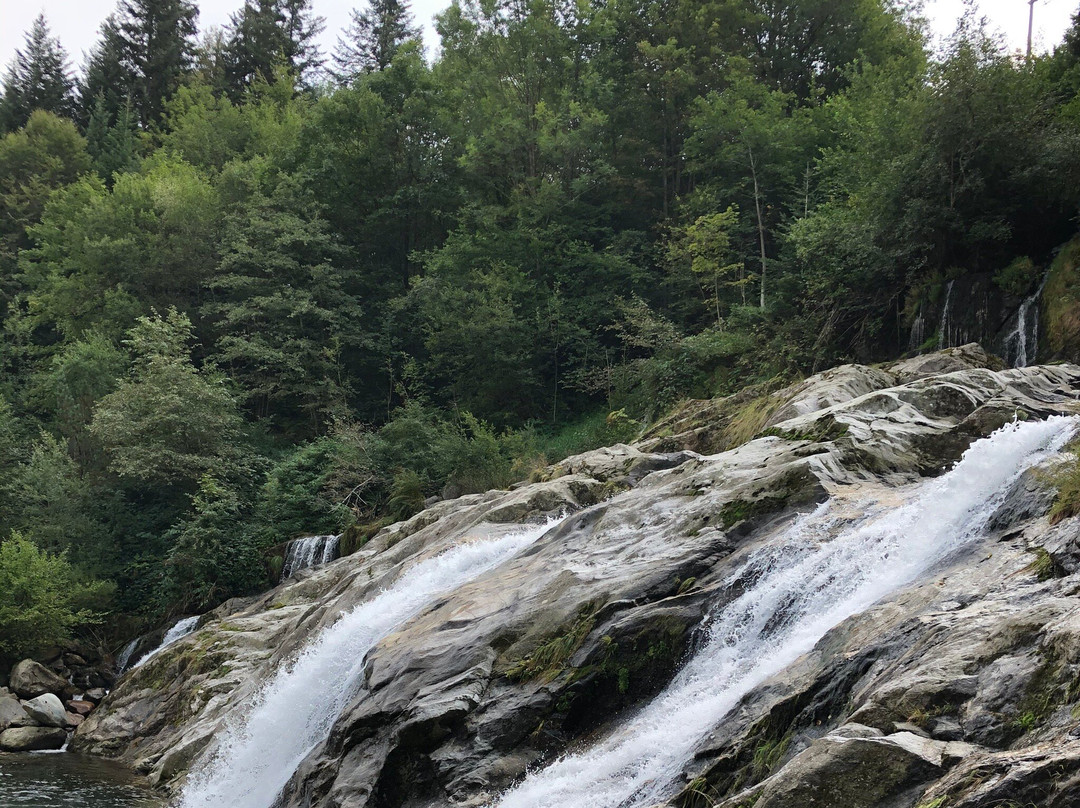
{"points": [[111, 140], [159, 42], [108, 77], [373, 37], [38, 78], [265, 34]]}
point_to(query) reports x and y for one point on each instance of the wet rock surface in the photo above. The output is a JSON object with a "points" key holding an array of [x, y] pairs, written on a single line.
{"points": [[972, 669]]}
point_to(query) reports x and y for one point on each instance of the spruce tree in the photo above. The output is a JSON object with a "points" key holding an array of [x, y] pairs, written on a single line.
{"points": [[108, 80], [38, 78], [373, 37], [111, 140], [159, 42], [266, 34]]}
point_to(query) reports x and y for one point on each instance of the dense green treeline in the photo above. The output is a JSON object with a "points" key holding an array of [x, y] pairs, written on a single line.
{"points": [[249, 292]]}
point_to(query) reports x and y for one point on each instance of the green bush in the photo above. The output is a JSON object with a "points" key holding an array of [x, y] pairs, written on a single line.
{"points": [[296, 498], [406, 495], [1018, 277], [43, 599], [213, 555]]}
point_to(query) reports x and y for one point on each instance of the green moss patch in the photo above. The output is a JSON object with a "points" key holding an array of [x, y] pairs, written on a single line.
{"points": [[1061, 305], [549, 659]]}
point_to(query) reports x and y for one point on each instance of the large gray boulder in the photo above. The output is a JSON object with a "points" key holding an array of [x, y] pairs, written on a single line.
{"points": [[32, 739], [30, 679], [12, 713], [47, 710]]}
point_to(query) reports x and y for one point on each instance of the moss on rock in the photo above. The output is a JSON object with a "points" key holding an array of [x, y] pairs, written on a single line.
{"points": [[1061, 305]]}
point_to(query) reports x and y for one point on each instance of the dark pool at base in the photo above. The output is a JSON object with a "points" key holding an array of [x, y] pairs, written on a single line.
{"points": [[60, 780]]}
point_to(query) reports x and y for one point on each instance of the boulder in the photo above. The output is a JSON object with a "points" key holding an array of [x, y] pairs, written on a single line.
{"points": [[850, 773], [72, 720], [95, 695], [73, 660], [32, 739], [47, 710], [12, 713], [79, 706], [31, 679]]}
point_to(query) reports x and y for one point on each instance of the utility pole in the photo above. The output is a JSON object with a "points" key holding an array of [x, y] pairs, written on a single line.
{"points": [[1031, 25]]}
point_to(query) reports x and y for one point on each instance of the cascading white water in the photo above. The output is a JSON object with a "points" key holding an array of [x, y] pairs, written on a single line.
{"points": [[300, 554], [125, 655], [944, 337], [918, 333], [1019, 351], [828, 565], [295, 711], [179, 630]]}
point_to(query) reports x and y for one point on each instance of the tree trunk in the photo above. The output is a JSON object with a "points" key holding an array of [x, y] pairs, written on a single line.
{"points": [[760, 221]]}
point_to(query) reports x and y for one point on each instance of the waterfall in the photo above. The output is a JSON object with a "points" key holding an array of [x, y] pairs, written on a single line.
{"points": [[179, 630], [308, 552], [944, 338], [828, 565], [125, 655], [1018, 350], [918, 333], [294, 712]]}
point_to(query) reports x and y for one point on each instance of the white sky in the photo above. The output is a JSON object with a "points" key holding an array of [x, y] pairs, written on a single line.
{"points": [[76, 21]]}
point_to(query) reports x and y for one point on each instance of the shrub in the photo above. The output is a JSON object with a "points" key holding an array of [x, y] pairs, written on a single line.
{"points": [[1018, 277], [43, 599], [406, 495]]}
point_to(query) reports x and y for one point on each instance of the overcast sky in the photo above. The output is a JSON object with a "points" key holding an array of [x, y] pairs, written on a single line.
{"points": [[76, 21]]}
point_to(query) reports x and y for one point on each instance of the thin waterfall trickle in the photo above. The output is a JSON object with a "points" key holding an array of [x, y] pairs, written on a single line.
{"points": [[944, 337], [258, 753], [300, 554], [1020, 347], [917, 337], [125, 655], [179, 630], [829, 565]]}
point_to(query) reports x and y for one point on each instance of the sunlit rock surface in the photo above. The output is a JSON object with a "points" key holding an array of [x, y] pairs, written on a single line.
{"points": [[961, 685]]}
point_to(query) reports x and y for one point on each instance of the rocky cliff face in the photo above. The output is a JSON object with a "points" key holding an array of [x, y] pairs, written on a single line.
{"points": [[485, 645]]}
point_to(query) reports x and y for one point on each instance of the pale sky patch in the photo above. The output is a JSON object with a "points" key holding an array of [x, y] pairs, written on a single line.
{"points": [[76, 22]]}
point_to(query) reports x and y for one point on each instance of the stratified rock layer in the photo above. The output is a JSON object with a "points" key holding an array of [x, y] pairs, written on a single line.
{"points": [[917, 699]]}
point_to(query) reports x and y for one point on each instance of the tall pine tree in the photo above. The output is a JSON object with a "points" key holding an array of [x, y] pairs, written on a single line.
{"points": [[108, 78], [373, 37], [159, 40], [266, 34], [38, 78], [145, 49]]}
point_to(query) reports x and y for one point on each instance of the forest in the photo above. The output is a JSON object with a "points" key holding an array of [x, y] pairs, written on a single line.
{"points": [[250, 291]]}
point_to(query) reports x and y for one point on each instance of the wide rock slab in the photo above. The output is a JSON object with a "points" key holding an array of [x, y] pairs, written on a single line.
{"points": [[558, 642], [848, 773]]}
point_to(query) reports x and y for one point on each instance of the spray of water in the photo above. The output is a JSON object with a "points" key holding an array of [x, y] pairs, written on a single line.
{"points": [[294, 713], [179, 630], [829, 565]]}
